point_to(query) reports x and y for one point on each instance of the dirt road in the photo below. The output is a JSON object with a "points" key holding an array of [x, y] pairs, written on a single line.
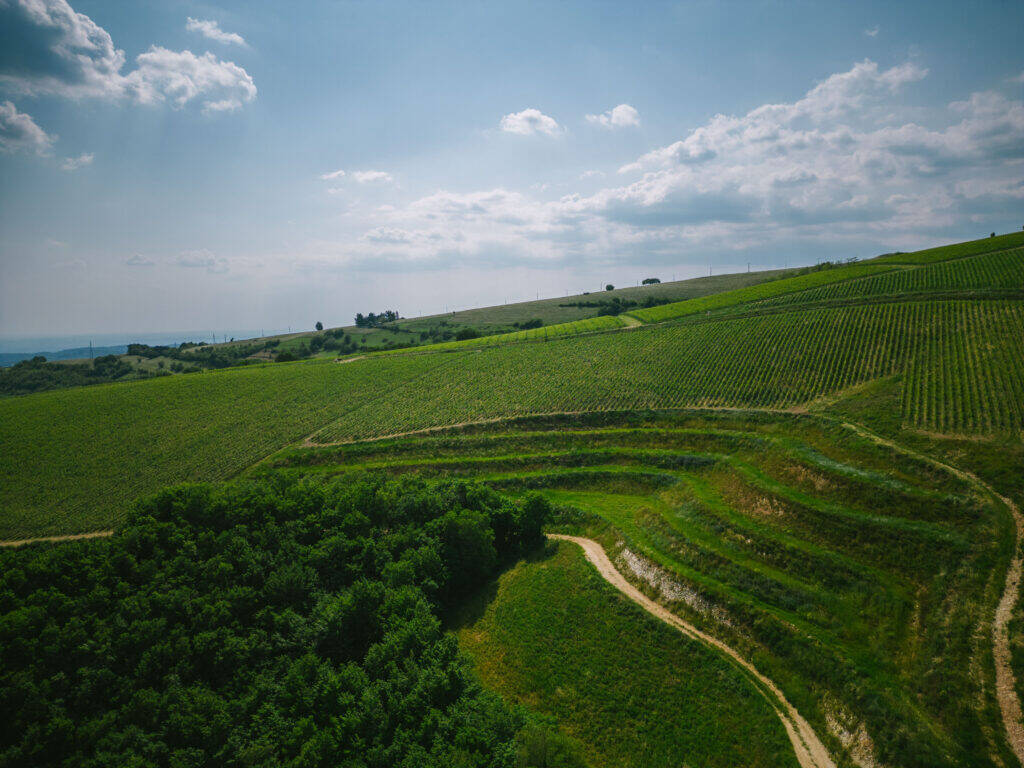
{"points": [[810, 752], [1006, 690], [66, 537]]}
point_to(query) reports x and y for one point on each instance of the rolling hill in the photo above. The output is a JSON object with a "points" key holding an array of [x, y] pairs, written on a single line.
{"points": [[820, 471]]}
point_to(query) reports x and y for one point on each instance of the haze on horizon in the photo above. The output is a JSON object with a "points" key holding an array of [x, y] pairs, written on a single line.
{"points": [[254, 165]]}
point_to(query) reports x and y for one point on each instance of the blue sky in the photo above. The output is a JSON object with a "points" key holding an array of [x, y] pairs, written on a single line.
{"points": [[175, 165]]}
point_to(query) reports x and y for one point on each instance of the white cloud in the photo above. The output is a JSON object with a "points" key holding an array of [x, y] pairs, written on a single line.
{"points": [[138, 260], [848, 162], [181, 76], [19, 132], [74, 163], [211, 29], [591, 174], [72, 56], [872, 32], [202, 259], [618, 117], [530, 122], [373, 177], [1018, 79], [332, 175]]}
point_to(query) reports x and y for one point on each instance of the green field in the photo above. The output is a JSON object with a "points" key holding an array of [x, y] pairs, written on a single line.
{"points": [[994, 273], [946, 252], [855, 578], [555, 637], [754, 293], [544, 333], [713, 454], [73, 459]]}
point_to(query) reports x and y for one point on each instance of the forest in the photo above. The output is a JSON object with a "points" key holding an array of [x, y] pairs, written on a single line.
{"points": [[265, 624]]}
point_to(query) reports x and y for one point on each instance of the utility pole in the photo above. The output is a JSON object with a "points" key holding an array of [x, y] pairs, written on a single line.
{"points": [[90, 349], [748, 266]]}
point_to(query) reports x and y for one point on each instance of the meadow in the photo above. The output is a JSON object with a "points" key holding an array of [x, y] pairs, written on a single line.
{"points": [[550, 634]]}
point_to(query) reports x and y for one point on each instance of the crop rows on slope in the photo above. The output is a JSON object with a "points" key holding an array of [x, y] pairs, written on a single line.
{"points": [[767, 361], [969, 377], [946, 252], [998, 271], [856, 590], [544, 333], [757, 292], [71, 460]]}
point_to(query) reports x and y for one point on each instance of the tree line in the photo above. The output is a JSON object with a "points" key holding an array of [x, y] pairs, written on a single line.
{"points": [[270, 623]]}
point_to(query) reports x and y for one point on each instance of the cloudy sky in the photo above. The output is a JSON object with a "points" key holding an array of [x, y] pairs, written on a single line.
{"points": [[176, 165]]}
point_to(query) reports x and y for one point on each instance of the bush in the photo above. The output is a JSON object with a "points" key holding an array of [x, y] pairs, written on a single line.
{"points": [[609, 287], [467, 333]]}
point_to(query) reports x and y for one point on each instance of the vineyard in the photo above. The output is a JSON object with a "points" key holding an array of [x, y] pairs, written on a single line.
{"points": [[73, 459], [544, 333], [992, 273], [857, 578], [756, 292], [768, 361], [956, 251]]}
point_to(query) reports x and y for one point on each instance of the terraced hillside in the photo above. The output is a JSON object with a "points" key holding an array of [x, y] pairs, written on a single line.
{"points": [[861, 581], [73, 460]]}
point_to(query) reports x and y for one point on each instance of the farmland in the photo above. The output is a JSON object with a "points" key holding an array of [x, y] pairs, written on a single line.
{"points": [[857, 579], [73, 459], [707, 451], [753, 293]]}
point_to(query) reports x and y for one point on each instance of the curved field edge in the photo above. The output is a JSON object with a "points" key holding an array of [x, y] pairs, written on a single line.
{"points": [[807, 747], [1006, 685], [552, 635], [444, 441]]}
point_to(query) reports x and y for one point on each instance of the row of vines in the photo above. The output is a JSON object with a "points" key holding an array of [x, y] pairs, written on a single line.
{"points": [[1001, 271], [771, 361], [543, 333]]}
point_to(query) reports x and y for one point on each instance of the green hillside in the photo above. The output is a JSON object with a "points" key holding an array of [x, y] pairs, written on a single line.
{"points": [[855, 577], [74, 459], [729, 453]]}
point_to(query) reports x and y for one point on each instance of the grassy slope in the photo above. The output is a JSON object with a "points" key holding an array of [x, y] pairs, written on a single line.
{"points": [[756, 292], [856, 580], [944, 252], [499, 318], [72, 460], [635, 692]]}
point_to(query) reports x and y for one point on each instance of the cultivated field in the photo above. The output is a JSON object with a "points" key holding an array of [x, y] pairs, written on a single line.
{"points": [[74, 459], [862, 582]]}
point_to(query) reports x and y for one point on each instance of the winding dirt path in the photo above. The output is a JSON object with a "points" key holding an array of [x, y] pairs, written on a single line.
{"points": [[810, 752], [1006, 690], [65, 537]]}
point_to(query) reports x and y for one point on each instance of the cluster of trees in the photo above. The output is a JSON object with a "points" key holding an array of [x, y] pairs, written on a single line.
{"points": [[375, 321], [617, 305], [37, 375], [262, 624], [190, 355], [336, 340], [526, 325]]}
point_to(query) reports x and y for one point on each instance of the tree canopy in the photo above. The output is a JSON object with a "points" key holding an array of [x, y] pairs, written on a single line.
{"points": [[261, 624]]}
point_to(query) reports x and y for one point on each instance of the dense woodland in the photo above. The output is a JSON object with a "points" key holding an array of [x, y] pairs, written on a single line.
{"points": [[263, 625], [38, 375]]}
